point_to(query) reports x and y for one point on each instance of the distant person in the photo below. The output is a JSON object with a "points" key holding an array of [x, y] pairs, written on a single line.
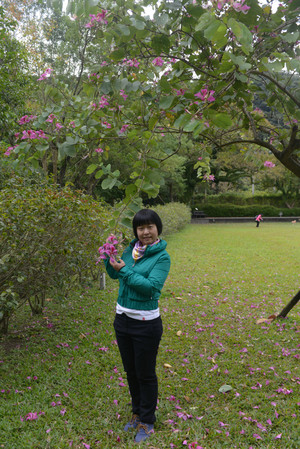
{"points": [[141, 272], [258, 219]]}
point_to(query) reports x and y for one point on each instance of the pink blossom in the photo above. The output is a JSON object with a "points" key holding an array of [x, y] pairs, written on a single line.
{"points": [[221, 424], [131, 62], [107, 250], [31, 134], [158, 61], [95, 19], [122, 93], [103, 102], [123, 129], [50, 118], [59, 126], [30, 416], [278, 436], [63, 411], [284, 391], [45, 74], [269, 164], [240, 7], [180, 91], [26, 119], [207, 177], [9, 150], [99, 150], [112, 239], [205, 95], [258, 437]]}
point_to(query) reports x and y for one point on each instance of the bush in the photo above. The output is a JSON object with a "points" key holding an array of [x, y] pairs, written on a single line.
{"points": [[231, 210], [48, 242], [242, 199], [174, 216]]}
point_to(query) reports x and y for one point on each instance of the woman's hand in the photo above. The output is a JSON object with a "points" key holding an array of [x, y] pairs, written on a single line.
{"points": [[117, 265]]}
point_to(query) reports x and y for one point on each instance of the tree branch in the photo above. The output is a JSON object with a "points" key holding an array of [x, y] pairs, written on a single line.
{"points": [[278, 84]]}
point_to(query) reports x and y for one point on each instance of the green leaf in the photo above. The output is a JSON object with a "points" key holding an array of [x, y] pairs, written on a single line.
{"points": [[161, 43], [152, 122], [215, 32], [126, 222], [294, 64], [106, 87], [138, 24], [182, 120], [275, 66], [242, 34], [107, 183], [131, 190], [152, 163], [221, 120], [165, 85], [98, 174], [134, 87], [199, 128], [191, 126], [150, 189], [117, 55], [42, 148], [205, 20], [291, 38], [166, 102], [225, 388], [125, 30], [91, 168], [240, 62], [162, 19]]}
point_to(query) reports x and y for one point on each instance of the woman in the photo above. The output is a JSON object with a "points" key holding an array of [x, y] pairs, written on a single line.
{"points": [[141, 272]]}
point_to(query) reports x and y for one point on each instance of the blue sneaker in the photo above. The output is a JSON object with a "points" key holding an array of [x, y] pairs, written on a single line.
{"points": [[133, 423], [144, 432]]}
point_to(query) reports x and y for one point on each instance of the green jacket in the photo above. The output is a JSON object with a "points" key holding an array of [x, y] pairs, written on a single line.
{"points": [[141, 282]]}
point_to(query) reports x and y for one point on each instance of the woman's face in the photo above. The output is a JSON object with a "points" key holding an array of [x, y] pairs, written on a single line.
{"points": [[147, 234]]}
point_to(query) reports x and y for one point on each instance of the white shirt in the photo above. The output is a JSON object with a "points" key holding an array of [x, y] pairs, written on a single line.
{"points": [[142, 315]]}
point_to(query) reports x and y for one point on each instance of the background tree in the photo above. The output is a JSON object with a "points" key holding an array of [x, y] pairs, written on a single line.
{"points": [[14, 78]]}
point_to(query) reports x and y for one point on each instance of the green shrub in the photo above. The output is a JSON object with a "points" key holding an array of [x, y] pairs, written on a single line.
{"points": [[174, 216], [232, 210], [48, 241], [242, 199]]}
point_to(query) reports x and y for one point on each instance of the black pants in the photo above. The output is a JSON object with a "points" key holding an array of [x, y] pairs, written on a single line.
{"points": [[138, 343]]}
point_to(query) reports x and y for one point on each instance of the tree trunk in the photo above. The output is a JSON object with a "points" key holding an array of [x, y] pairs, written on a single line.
{"points": [[289, 306], [4, 323], [55, 163], [102, 281]]}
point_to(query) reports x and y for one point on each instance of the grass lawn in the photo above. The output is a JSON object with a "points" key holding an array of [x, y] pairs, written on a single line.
{"points": [[62, 382]]}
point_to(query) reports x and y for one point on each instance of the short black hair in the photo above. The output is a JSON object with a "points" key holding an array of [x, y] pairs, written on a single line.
{"points": [[146, 216]]}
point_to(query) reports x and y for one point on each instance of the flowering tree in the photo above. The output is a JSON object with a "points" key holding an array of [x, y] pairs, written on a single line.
{"points": [[191, 70], [206, 62]]}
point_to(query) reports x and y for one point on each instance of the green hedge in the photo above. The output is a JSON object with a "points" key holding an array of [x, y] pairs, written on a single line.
{"points": [[231, 210], [242, 199], [174, 216]]}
